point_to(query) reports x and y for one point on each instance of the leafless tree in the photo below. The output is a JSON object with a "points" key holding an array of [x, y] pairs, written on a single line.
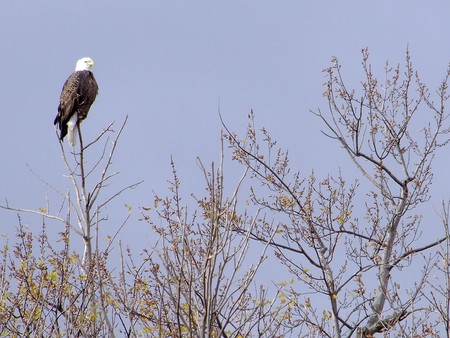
{"points": [[349, 248], [199, 281], [60, 291]]}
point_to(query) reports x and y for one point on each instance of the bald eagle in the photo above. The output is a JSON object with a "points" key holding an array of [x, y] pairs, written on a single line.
{"points": [[78, 94]]}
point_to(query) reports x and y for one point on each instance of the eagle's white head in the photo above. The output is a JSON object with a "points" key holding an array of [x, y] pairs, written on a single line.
{"points": [[85, 63]]}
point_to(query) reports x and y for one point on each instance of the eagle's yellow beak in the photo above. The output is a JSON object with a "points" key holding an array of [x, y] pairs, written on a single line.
{"points": [[90, 63]]}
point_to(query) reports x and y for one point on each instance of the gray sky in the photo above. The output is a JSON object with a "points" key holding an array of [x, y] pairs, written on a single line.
{"points": [[168, 64]]}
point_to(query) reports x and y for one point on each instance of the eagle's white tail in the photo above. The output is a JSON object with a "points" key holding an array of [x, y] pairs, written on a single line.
{"points": [[72, 130]]}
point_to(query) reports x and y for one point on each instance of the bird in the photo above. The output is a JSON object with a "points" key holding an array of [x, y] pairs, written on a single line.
{"points": [[77, 96]]}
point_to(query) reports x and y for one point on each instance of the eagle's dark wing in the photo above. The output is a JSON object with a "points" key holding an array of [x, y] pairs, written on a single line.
{"points": [[67, 102], [87, 92]]}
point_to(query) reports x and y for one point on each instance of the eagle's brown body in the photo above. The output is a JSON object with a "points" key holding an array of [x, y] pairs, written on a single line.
{"points": [[78, 94]]}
